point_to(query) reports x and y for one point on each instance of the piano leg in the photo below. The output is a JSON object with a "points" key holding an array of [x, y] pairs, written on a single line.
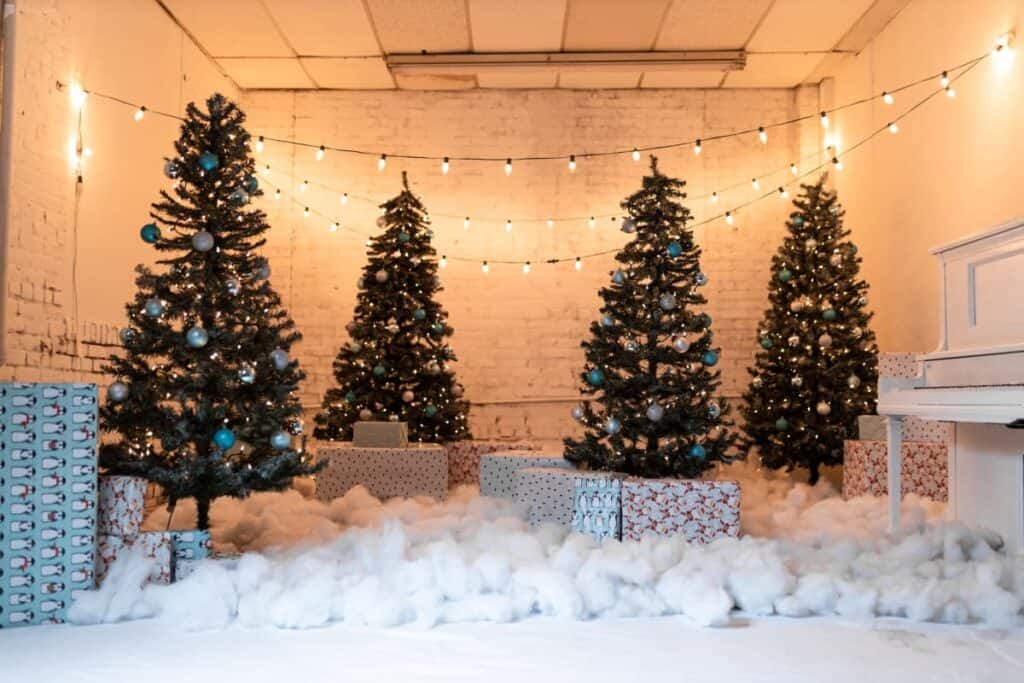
{"points": [[894, 431]]}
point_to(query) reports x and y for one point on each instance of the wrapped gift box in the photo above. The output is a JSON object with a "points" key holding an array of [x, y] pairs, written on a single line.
{"points": [[698, 510], [925, 469], [546, 494], [122, 505], [190, 545], [47, 499], [156, 545], [464, 457], [597, 504], [417, 470], [873, 428], [498, 469], [380, 434]]}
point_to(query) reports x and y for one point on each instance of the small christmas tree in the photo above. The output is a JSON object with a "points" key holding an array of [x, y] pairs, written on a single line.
{"points": [[204, 395], [396, 364], [817, 367], [650, 359]]}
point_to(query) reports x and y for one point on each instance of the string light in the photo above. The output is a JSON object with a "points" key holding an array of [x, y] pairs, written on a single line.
{"points": [[887, 97], [465, 223], [443, 262], [762, 134], [304, 186], [579, 263], [950, 92], [344, 197], [266, 171], [783, 193], [259, 144], [572, 163], [697, 147], [794, 169], [508, 225], [277, 193], [526, 268], [714, 197], [944, 79], [893, 128], [485, 268], [334, 227], [636, 154], [444, 166], [320, 153], [824, 120], [78, 96], [728, 217], [508, 166], [140, 112], [551, 223], [755, 183], [591, 223], [837, 163], [382, 162]]}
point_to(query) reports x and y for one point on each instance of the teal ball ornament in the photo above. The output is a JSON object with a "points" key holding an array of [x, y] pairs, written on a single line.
{"points": [[612, 426], [782, 424], [829, 314], [379, 370], [766, 342], [149, 233], [117, 392], [419, 314], [607, 321], [618, 277], [674, 249], [208, 161], [698, 452], [403, 237], [701, 279], [714, 410], [262, 269], [246, 374], [437, 328], [430, 410], [128, 335], [350, 397], [785, 275], [629, 226], [280, 439], [279, 358], [197, 337], [224, 438], [798, 221], [595, 377], [154, 308], [709, 358], [706, 319], [202, 241], [251, 184]]}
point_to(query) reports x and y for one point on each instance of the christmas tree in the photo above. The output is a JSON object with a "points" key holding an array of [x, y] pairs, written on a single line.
{"points": [[204, 394], [650, 359], [817, 367], [396, 363]]}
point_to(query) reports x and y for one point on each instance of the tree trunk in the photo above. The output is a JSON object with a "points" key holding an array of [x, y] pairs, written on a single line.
{"points": [[813, 479], [203, 511]]}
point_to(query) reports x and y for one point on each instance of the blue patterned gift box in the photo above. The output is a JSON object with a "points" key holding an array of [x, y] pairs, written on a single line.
{"points": [[47, 499], [191, 544], [597, 504]]}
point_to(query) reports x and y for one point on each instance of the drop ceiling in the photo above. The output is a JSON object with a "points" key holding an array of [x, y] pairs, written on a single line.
{"points": [[345, 44]]}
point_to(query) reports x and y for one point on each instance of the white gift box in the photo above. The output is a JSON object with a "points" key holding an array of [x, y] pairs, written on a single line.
{"points": [[416, 470], [498, 470]]}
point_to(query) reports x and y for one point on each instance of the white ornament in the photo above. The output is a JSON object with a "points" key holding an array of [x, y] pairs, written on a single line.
{"points": [[381, 276], [408, 396], [577, 413], [681, 344], [202, 241], [823, 408], [365, 414], [825, 341], [655, 412]]}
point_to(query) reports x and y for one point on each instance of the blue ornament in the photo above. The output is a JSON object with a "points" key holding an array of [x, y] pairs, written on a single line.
{"points": [[251, 184], [246, 374], [706, 319], [197, 337], [766, 342], [782, 424], [150, 233], [379, 370], [437, 328], [202, 241], [171, 169], [350, 397], [674, 249], [709, 358], [224, 438], [238, 196], [403, 237], [595, 377], [430, 411], [154, 308], [714, 410], [279, 357], [798, 221], [667, 301], [117, 392], [607, 321], [618, 277], [698, 452], [701, 279], [829, 314], [208, 161], [419, 314], [280, 439], [612, 426], [629, 226], [785, 275]]}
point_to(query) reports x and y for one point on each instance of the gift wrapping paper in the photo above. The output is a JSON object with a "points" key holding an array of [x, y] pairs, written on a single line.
{"points": [[47, 499], [156, 545], [698, 510], [122, 505], [380, 434], [498, 469], [464, 457], [192, 544], [417, 470], [597, 504], [546, 494], [924, 469]]}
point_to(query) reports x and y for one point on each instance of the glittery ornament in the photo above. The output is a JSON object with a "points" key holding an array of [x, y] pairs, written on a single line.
{"points": [[655, 412], [823, 408], [117, 392], [825, 341], [681, 344], [577, 413], [853, 381]]}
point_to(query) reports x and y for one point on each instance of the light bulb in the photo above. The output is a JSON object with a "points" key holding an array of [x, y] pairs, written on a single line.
{"points": [[794, 169], [334, 227], [783, 193], [696, 146], [887, 97], [824, 120], [344, 198], [139, 113], [591, 223], [551, 223], [443, 262], [465, 223], [572, 163], [277, 193], [579, 263], [508, 167], [259, 144], [837, 164], [636, 154], [763, 135], [728, 217], [444, 166], [485, 268], [368, 242], [893, 128], [303, 186], [305, 212], [944, 79], [950, 92], [320, 153], [266, 170], [1001, 52], [714, 197], [526, 268], [755, 183], [382, 162], [78, 96], [508, 225]]}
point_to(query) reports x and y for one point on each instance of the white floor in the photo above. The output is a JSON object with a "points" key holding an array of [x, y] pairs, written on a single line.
{"points": [[620, 650]]}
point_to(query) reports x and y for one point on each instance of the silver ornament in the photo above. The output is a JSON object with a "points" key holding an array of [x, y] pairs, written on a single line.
{"points": [[263, 271], [757, 382], [862, 301], [577, 413], [836, 259], [381, 222], [392, 417], [154, 308], [117, 392], [794, 340], [857, 332], [811, 244], [607, 321], [197, 337], [279, 357], [350, 326], [714, 410], [171, 169], [233, 287], [360, 282], [629, 226], [127, 335], [280, 439], [681, 344], [408, 396], [667, 301], [246, 374], [631, 345], [457, 390], [202, 241], [853, 381], [381, 276], [655, 412], [354, 346], [415, 260], [823, 408], [701, 279], [365, 414], [825, 341], [797, 381], [433, 368], [612, 426]]}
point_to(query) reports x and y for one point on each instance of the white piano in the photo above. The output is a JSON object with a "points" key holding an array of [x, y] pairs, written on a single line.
{"points": [[974, 379]]}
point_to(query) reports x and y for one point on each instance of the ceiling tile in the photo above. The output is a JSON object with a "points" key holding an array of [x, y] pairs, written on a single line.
{"points": [[231, 28], [521, 26], [806, 25], [773, 71], [516, 80], [597, 79], [349, 74], [407, 26], [682, 79], [613, 24], [434, 82], [266, 73], [703, 25], [325, 27]]}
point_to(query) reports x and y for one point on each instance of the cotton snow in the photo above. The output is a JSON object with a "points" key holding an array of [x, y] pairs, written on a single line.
{"points": [[805, 551]]}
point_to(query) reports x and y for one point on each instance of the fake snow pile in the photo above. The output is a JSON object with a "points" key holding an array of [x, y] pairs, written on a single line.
{"points": [[357, 560]]}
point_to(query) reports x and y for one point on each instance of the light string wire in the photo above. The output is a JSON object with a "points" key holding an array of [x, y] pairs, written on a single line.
{"points": [[831, 162]]}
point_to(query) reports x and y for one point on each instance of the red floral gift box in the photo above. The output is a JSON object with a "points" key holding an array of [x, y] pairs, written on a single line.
{"points": [[698, 510], [924, 469]]}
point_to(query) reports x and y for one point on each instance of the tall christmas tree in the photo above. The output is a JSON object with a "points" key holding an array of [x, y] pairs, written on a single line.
{"points": [[817, 367], [204, 394], [650, 359], [396, 364]]}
